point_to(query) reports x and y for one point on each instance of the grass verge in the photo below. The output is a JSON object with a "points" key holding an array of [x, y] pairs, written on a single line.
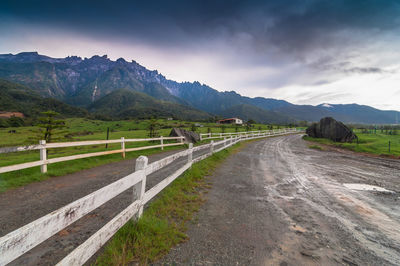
{"points": [[163, 224], [377, 144], [315, 147]]}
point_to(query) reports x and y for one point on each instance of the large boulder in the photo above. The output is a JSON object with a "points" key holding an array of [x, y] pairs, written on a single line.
{"points": [[190, 136], [331, 129]]}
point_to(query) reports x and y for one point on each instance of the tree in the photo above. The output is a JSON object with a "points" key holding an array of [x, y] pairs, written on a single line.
{"points": [[248, 126], [223, 128], [3, 123], [236, 128], [50, 126], [153, 127], [193, 128], [14, 121]]}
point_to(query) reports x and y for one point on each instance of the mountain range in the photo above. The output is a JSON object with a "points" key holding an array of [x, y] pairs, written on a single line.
{"points": [[124, 89]]}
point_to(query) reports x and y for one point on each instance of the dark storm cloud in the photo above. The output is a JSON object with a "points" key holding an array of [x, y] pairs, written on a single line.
{"points": [[259, 48], [292, 26]]}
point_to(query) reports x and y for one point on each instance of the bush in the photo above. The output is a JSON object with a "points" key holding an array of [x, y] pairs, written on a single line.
{"points": [[3, 123], [15, 121]]}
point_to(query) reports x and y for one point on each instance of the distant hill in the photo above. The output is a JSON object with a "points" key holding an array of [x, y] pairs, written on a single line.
{"points": [[126, 104], [18, 98], [247, 112], [353, 113], [82, 81]]}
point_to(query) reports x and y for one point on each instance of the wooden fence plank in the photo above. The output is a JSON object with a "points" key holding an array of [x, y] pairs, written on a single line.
{"points": [[198, 148], [81, 143], [81, 156], [151, 139], [77, 143], [154, 146], [88, 248], [151, 168], [20, 166], [25, 238], [21, 148], [202, 157]]}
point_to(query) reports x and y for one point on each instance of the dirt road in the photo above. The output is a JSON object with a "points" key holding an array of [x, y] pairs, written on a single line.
{"points": [[278, 202]]}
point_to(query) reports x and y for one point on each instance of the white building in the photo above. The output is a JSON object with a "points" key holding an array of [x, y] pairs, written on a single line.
{"points": [[234, 121]]}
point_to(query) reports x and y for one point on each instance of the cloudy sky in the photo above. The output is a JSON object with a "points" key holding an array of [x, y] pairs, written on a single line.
{"points": [[306, 52]]}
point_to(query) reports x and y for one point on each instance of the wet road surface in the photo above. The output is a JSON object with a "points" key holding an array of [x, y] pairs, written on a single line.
{"points": [[278, 202]]}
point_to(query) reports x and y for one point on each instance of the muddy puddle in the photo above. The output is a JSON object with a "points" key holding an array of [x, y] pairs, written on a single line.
{"points": [[366, 187]]}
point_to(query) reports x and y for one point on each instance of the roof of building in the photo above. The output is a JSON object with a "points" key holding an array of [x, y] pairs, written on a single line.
{"points": [[227, 119]]}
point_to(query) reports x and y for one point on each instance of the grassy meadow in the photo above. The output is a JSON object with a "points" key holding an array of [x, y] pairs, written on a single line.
{"points": [[80, 129], [367, 143]]}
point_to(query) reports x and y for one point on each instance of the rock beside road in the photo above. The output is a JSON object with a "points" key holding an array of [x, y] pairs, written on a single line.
{"points": [[190, 136], [331, 129]]}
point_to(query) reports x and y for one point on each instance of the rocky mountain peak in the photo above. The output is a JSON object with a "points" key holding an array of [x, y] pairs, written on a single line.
{"points": [[121, 60]]}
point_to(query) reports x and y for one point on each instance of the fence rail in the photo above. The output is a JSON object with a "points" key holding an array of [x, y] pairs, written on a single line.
{"points": [[210, 135], [43, 146], [20, 241]]}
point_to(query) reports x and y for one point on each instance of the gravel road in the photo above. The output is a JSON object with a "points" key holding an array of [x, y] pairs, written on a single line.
{"points": [[278, 202], [23, 205]]}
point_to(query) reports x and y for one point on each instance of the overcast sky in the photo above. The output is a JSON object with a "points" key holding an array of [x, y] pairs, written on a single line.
{"points": [[306, 52]]}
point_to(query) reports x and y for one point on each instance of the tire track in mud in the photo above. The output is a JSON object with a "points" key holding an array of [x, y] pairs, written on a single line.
{"points": [[357, 212]]}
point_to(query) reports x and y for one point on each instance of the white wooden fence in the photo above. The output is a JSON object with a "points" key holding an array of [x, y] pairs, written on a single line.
{"points": [[43, 146], [22, 240], [205, 136]]}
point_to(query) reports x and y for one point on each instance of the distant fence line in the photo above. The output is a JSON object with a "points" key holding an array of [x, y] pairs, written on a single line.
{"points": [[210, 135], [20, 241]]}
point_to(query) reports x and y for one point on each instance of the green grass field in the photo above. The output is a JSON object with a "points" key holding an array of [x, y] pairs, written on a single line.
{"points": [[369, 143], [79, 129]]}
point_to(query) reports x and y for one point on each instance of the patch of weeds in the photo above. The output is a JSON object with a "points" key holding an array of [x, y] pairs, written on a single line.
{"points": [[316, 147]]}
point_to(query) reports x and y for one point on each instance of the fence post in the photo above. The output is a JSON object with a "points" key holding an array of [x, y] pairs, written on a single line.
{"points": [[209, 134], [108, 135], [139, 188], [212, 147], [182, 137], [232, 140], [190, 155], [123, 146], [162, 142], [43, 156]]}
